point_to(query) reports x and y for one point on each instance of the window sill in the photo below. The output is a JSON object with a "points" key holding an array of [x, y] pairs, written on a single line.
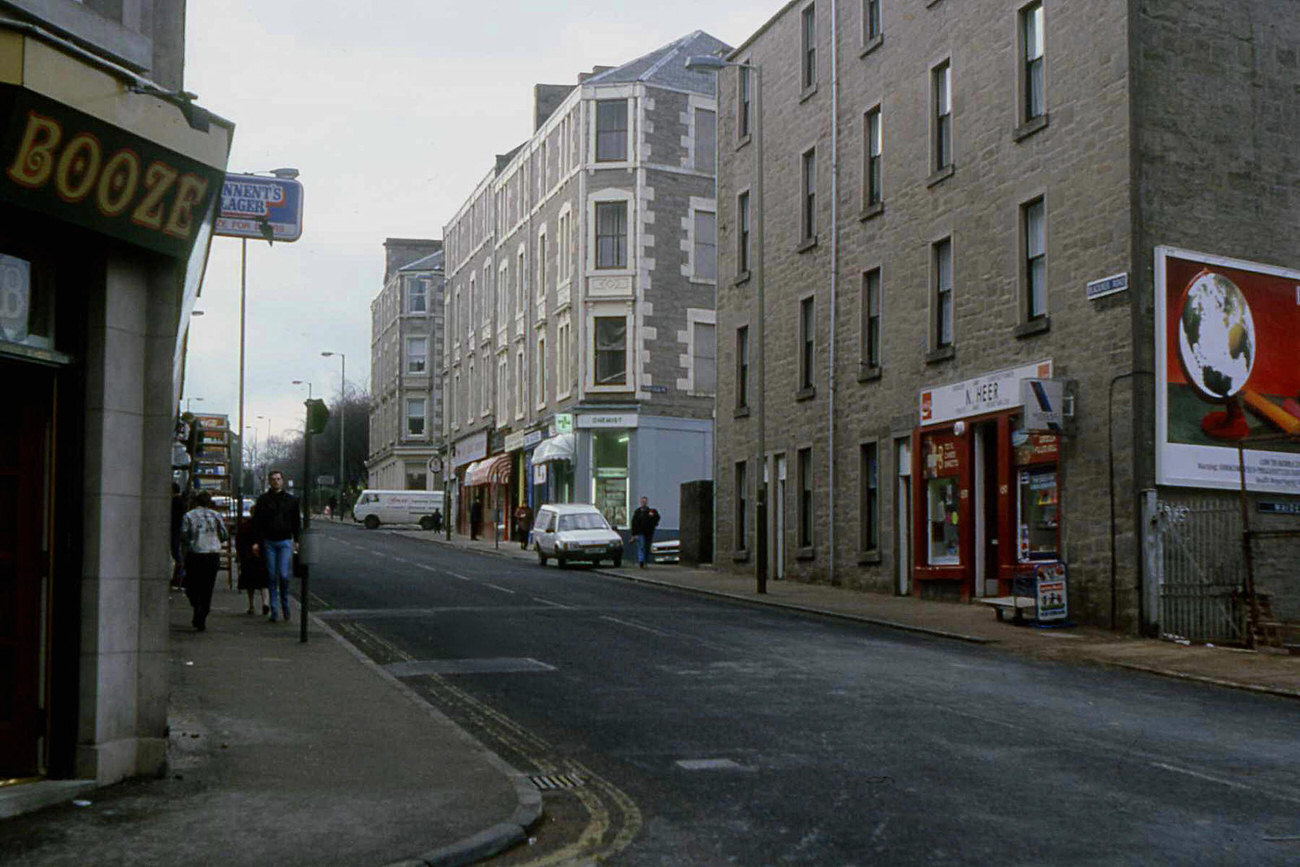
{"points": [[806, 554], [741, 412], [743, 140], [808, 93], [1041, 325], [1025, 130], [869, 558], [868, 372], [872, 44], [941, 175], [929, 3], [871, 211], [943, 353], [741, 278], [806, 244], [740, 556], [702, 281], [808, 392]]}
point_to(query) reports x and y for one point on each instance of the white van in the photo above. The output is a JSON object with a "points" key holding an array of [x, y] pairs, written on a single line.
{"points": [[373, 508]]}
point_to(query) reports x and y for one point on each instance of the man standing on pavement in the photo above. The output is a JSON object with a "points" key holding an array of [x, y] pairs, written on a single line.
{"points": [[277, 524], [644, 521], [523, 523]]}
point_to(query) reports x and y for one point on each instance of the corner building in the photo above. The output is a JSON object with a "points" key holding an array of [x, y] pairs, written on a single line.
{"points": [[964, 198], [406, 334], [110, 178], [579, 364]]}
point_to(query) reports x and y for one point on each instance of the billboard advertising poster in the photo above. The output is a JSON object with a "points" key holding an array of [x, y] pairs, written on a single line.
{"points": [[251, 205], [1227, 342]]}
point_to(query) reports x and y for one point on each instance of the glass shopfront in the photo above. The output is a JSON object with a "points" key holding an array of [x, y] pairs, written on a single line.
{"points": [[942, 494], [1038, 499], [609, 474]]}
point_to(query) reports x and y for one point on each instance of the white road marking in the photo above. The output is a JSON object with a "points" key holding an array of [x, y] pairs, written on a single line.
{"points": [[1189, 772], [552, 604], [635, 626], [497, 587]]}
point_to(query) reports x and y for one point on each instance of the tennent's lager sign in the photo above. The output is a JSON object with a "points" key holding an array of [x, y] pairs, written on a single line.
{"points": [[69, 165]]}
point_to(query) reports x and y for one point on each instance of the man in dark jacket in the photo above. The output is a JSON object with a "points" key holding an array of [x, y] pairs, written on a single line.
{"points": [[277, 524], [644, 521]]}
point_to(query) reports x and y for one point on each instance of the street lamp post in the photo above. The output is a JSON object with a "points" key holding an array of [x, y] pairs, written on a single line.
{"points": [[306, 383], [343, 398], [704, 63]]}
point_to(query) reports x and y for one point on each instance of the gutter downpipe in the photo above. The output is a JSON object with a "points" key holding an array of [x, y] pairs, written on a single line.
{"points": [[835, 249]]}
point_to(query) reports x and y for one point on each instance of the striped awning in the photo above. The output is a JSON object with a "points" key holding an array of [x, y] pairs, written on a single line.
{"points": [[489, 471]]}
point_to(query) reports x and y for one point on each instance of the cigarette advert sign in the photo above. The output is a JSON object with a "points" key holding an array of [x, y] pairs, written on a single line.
{"points": [[269, 209], [991, 392], [1227, 339]]}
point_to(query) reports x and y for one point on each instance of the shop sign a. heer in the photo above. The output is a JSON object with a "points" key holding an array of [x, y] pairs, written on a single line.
{"points": [[992, 392], [71, 166]]}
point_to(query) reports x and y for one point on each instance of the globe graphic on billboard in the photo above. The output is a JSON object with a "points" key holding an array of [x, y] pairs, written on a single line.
{"points": [[1216, 337]]}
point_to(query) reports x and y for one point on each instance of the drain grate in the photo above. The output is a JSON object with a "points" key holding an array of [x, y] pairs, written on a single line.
{"points": [[556, 782]]}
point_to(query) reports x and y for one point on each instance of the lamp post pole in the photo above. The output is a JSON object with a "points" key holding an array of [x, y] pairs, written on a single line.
{"points": [[708, 62], [243, 295]]}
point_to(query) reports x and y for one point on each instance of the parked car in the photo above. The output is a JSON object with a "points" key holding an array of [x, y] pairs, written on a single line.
{"points": [[573, 532], [373, 508]]}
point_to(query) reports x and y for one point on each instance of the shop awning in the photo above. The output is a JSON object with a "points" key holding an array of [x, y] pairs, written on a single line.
{"points": [[557, 448], [489, 471]]}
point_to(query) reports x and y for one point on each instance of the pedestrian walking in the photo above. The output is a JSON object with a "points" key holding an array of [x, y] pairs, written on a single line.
{"points": [[252, 568], [475, 518], [203, 532], [644, 521], [277, 525], [178, 518], [333, 506], [523, 523]]}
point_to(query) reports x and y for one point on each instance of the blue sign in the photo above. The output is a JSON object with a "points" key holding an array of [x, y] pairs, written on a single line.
{"points": [[269, 209]]}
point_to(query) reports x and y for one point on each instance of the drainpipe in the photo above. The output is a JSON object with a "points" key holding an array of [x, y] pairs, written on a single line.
{"points": [[835, 269], [1110, 463]]}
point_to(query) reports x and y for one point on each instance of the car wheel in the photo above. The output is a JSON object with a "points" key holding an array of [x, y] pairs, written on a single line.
{"points": [[561, 562], [372, 523], [426, 523], [618, 562], [541, 558]]}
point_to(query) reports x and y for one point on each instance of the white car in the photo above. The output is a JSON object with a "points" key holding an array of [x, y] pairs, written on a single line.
{"points": [[575, 532]]}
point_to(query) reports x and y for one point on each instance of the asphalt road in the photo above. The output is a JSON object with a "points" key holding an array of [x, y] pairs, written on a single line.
{"points": [[683, 730]]}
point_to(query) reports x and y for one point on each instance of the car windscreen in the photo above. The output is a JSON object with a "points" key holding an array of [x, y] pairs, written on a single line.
{"points": [[582, 522]]}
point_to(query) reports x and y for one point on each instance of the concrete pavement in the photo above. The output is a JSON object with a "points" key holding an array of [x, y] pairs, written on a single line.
{"points": [[1273, 673], [288, 753]]}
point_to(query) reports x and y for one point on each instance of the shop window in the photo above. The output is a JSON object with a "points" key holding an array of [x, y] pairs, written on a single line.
{"points": [[26, 304], [609, 475], [943, 496], [1039, 514]]}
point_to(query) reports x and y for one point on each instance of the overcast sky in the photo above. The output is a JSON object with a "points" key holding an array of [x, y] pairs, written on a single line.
{"points": [[392, 110]]}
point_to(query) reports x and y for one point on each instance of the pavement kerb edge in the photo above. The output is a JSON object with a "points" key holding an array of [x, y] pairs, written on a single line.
{"points": [[489, 841], [1201, 678]]}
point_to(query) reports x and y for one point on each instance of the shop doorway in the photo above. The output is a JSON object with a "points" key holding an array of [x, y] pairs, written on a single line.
{"points": [[903, 515], [986, 509], [25, 476], [778, 518]]}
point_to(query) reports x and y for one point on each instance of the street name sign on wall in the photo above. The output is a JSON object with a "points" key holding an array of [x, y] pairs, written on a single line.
{"points": [[267, 209]]}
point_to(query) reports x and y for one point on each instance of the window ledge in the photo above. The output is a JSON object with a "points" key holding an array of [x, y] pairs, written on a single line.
{"points": [[869, 558], [806, 393], [929, 3], [743, 140], [741, 278], [1041, 325], [808, 93], [741, 412], [1025, 130], [805, 554], [941, 175], [740, 556], [943, 353], [806, 244], [872, 44], [871, 211], [868, 372]]}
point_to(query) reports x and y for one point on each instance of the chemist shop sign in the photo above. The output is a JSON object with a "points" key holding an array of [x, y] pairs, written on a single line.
{"points": [[68, 165], [992, 392]]}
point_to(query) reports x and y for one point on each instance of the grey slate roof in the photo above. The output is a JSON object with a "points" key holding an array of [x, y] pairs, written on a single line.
{"points": [[667, 65], [432, 262]]}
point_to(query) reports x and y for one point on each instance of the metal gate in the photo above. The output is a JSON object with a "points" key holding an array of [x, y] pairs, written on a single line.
{"points": [[1199, 568]]}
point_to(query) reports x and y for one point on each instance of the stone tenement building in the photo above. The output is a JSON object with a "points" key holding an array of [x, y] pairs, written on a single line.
{"points": [[579, 364], [112, 177], [406, 334], [968, 199]]}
